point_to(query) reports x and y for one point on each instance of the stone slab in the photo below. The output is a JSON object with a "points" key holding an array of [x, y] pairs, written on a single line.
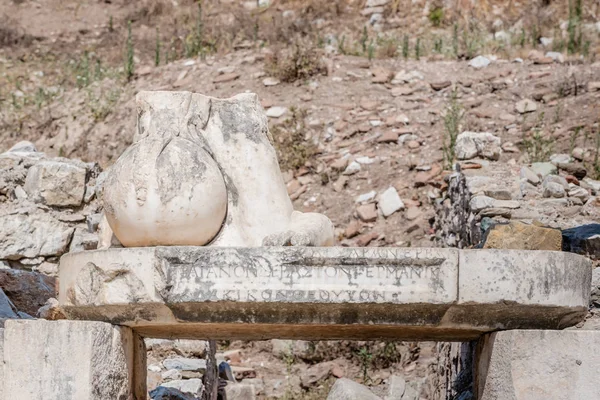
{"points": [[538, 365], [312, 293], [72, 360]]}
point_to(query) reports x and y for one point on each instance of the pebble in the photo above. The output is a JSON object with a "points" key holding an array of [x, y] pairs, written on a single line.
{"points": [[529, 175], [270, 81], [366, 197], [367, 212], [525, 106], [479, 62], [276, 112], [413, 213], [553, 189]]}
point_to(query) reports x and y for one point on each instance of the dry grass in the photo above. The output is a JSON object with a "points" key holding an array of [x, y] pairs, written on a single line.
{"points": [[298, 63], [293, 150]]}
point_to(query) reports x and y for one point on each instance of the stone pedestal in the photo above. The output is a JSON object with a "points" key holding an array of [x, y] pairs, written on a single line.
{"points": [[71, 360], [538, 365], [325, 293]]}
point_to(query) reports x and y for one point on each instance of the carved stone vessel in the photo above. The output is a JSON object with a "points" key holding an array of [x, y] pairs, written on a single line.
{"points": [[165, 189], [203, 171]]}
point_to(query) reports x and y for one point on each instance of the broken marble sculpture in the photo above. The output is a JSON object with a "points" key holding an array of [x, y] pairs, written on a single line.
{"points": [[203, 171]]}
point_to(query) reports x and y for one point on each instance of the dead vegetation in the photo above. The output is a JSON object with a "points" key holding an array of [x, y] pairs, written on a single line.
{"points": [[293, 148]]}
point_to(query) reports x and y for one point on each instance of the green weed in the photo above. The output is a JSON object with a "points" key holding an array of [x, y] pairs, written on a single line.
{"points": [[452, 120], [129, 62]]}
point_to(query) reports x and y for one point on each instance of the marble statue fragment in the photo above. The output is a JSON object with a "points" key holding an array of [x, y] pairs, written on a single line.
{"points": [[202, 171]]}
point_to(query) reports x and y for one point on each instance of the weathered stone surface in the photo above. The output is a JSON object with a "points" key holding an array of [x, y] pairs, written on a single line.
{"points": [[286, 292], [56, 183], [538, 365], [523, 278], [190, 386], [28, 291], [210, 175], [397, 387], [346, 389], [32, 236], [520, 236], [473, 144], [240, 391], [72, 360], [169, 393]]}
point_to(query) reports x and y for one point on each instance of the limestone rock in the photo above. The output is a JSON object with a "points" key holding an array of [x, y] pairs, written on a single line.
{"points": [[30, 236], [367, 212], [479, 62], [584, 239], [473, 144], [23, 147], [390, 202], [543, 169], [276, 112], [525, 106], [28, 291], [538, 365], [397, 387], [517, 235], [478, 203], [346, 389], [191, 386], [56, 183], [240, 391], [185, 364], [553, 189], [529, 175]]}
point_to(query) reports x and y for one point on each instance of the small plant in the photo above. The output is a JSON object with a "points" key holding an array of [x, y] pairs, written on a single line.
{"points": [[574, 27], [371, 50], [289, 359], [596, 165], [363, 40], [455, 39], [387, 47], [538, 147], [535, 36], [293, 150], [405, 47], [558, 112], [129, 63], [103, 104], [472, 39], [438, 45], [111, 27], [341, 47], [452, 120], [302, 62], [365, 358], [157, 49], [436, 16], [522, 38], [418, 49]]}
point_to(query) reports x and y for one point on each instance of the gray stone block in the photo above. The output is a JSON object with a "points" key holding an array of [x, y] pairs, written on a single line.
{"points": [[72, 360], [538, 365]]}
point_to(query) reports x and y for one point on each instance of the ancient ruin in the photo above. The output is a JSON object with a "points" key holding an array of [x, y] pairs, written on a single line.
{"points": [[207, 246]]}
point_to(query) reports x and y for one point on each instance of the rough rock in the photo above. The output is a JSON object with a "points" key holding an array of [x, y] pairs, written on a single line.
{"points": [[543, 169], [479, 62], [525, 106], [538, 365], [518, 235], [478, 203], [529, 175], [31, 236], [71, 360], [473, 144], [315, 374], [390, 202], [185, 364], [583, 239], [28, 291], [276, 112], [7, 310], [240, 391], [577, 171], [367, 212], [346, 389], [191, 386], [23, 147], [56, 183], [396, 388], [553, 189]]}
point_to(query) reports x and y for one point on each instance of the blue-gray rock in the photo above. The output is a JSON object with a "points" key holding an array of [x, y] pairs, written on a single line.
{"points": [[166, 393], [584, 239]]}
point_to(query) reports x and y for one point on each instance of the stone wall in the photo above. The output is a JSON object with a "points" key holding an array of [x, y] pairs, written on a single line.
{"points": [[48, 207]]}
